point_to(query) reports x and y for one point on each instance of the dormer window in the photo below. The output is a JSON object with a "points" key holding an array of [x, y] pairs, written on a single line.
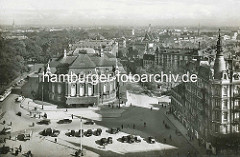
{"points": [[225, 76]]}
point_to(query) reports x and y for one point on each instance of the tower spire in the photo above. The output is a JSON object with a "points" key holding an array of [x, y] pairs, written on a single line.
{"points": [[219, 44], [219, 64]]}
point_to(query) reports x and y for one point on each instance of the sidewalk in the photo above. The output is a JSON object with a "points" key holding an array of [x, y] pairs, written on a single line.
{"points": [[201, 150]]}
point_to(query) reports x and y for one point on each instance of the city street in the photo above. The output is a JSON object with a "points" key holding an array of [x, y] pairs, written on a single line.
{"points": [[131, 118]]}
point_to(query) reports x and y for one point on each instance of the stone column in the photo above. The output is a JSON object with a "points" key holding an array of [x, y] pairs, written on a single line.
{"points": [[85, 89], [68, 89], [78, 89]]}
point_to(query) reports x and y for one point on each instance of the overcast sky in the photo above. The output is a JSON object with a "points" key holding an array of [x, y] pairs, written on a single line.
{"points": [[121, 12]]}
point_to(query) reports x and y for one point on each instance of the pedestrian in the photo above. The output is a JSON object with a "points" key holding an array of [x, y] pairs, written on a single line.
{"points": [[144, 124], [20, 148], [122, 126], [16, 152], [72, 116], [66, 110], [55, 140]]}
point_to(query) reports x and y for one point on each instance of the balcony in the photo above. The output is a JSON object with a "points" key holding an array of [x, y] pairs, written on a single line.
{"points": [[236, 109], [236, 95]]}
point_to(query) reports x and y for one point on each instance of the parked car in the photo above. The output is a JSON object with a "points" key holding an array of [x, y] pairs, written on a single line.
{"points": [[19, 114], [98, 132], [131, 139], [64, 121], [4, 149], [44, 121], [109, 140], [89, 122], [50, 132], [23, 137], [124, 139], [151, 139], [47, 132], [5, 131], [137, 139], [114, 130], [55, 133], [103, 141], [89, 132], [79, 132], [72, 133]]}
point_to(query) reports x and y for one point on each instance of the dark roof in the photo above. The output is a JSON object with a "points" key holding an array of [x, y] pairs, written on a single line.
{"points": [[204, 71], [82, 61], [180, 89]]}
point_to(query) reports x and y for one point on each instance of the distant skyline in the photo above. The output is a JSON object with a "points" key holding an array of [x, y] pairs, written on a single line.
{"points": [[121, 12]]}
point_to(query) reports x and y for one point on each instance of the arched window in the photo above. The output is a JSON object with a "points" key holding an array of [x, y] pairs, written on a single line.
{"points": [[53, 86], [81, 90], [90, 89], [73, 90], [104, 88], [59, 88]]}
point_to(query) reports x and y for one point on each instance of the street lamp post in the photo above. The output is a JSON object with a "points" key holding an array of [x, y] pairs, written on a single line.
{"points": [[81, 150], [42, 95]]}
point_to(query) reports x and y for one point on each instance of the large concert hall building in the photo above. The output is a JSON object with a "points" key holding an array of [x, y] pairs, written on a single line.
{"points": [[81, 62]]}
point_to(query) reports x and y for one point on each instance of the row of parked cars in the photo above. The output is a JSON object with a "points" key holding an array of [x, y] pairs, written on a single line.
{"points": [[126, 139], [90, 132], [50, 132], [62, 121]]}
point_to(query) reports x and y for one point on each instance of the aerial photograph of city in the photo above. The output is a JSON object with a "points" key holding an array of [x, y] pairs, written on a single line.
{"points": [[114, 78]]}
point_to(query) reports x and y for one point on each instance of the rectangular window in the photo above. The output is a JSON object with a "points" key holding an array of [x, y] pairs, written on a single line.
{"points": [[217, 117], [225, 90], [225, 104], [216, 127], [225, 115]]}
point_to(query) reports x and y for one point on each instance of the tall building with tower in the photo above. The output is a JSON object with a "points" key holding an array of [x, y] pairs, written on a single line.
{"points": [[210, 107]]}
